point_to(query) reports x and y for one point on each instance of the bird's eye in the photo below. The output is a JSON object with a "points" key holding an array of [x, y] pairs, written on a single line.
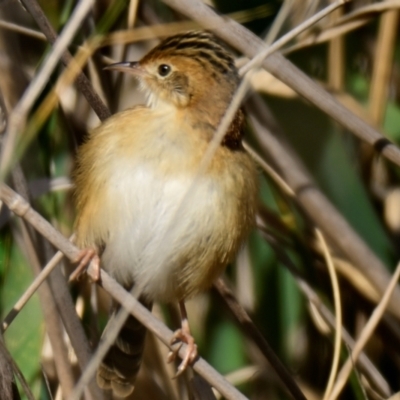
{"points": [[164, 69]]}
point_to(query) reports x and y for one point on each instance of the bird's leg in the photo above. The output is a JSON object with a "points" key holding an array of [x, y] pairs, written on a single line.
{"points": [[85, 257], [183, 335]]}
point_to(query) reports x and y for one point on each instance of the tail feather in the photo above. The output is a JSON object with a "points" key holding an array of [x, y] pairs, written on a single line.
{"points": [[121, 365]]}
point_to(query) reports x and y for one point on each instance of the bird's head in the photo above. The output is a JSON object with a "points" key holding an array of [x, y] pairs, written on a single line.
{"points": [[191, 69]]}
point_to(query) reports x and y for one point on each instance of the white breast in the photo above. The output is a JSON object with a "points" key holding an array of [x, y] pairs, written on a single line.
{"points": [[164, 219]]}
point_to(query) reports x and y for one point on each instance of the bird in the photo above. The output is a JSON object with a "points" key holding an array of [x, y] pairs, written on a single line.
{"points": [[145, 210]]}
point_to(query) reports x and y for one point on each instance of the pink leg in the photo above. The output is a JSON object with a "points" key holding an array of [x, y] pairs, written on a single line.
{"points": [[85, 257], [183, 335]]}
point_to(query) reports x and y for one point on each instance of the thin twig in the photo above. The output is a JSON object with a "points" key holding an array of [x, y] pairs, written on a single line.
{"points": [[131, 18], [73, 325], [6, 355], [269, 170], [7, 383], [336, 62], [22, 29], [368, 10], [338, 313], [159, 30], [380, 80], [278, 22], [267, 51], [326, 35], [250, 330], [201, 389], [108, 338], [347, 23], [19, 206], [82, 81], [39, 279], [365, 335], [18, 115], [51, 318]]}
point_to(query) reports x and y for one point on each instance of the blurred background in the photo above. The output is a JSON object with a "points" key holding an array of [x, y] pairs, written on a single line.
{"points": [[354, 54]]}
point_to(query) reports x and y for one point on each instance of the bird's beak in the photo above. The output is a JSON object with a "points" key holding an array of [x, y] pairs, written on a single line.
{"points": [[132, 67]]}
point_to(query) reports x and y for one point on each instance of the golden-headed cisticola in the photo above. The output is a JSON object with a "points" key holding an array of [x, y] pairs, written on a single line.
{"points": [[134, 173]]}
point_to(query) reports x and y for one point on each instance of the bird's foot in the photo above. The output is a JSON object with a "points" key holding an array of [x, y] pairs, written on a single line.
{"points": [[183, 335], [85, 257]]}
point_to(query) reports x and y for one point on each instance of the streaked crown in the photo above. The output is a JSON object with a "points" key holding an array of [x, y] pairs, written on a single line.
{"points": [[189, 69], [201, 46]]}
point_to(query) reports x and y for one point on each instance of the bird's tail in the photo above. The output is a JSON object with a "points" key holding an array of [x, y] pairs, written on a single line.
{"points": [[121, 365]]}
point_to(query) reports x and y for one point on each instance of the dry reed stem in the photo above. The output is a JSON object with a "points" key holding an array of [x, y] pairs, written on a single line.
{"points": [[326, 35], [160, 30], [165, 371], [278, 22], [73, 326], [382, 69], [131, 19], [242, 375], [265, 52], [365, 335], [22, 29], [31, 290], [346, 24], [337, 313], [82, 81], [336, 62], [355, 278], [269, 170], [17, 117], [367, 10], [6, 356], [51, 318], [249, 329], [107, 339], [19, 206], [201, 390]]}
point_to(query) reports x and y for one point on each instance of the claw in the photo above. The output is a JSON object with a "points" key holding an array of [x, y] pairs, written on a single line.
{"points": [[85, 257], [183, 335]]}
